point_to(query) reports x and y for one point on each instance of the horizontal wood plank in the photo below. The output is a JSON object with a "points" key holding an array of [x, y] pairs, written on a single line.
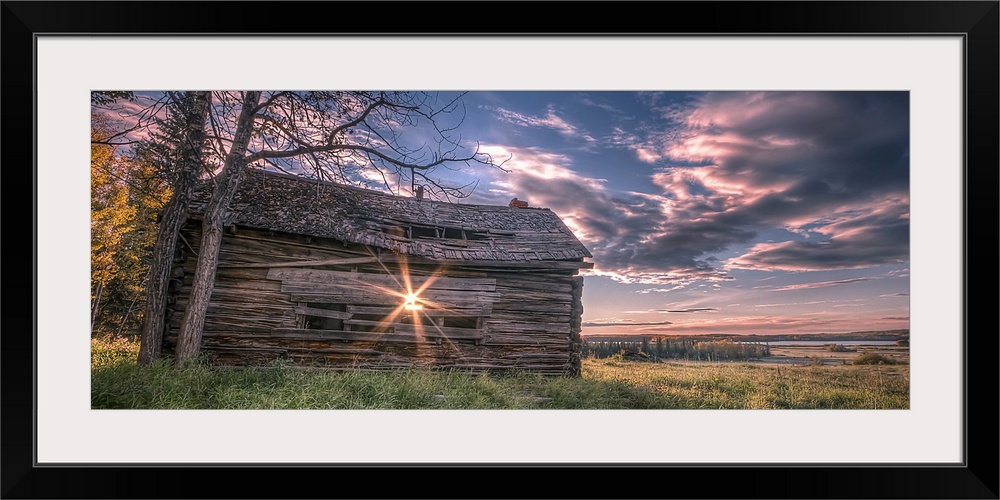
{"points": [[533, 327], [446, 297], [397, 336], [426, 311], [309, 263], [379, 300], [322, 313], [318, 276], [424, 330]]}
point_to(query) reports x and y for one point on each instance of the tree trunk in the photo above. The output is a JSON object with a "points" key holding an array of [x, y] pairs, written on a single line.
{"points": [[95, 306], [131, 307], [174, 216], [189, 340]]}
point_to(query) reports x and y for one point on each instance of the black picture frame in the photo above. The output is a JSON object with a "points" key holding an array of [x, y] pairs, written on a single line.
{"points": [[977, 22]]}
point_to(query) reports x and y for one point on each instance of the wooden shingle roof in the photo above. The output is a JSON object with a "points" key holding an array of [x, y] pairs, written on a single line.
{"points": [[432, 229]]}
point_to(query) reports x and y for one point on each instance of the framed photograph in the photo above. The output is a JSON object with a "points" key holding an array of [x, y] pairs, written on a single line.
{"points": [[934, 63]]}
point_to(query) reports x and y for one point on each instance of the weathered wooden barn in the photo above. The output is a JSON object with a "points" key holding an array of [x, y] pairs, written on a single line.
{"points": [[324, 274]]}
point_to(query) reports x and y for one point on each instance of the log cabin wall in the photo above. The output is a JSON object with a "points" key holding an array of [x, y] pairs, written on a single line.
{"points": [[316, 273], [322, 301]]}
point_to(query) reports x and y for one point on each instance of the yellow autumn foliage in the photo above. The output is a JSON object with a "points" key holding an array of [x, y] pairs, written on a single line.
{"points": [[125, 196]]}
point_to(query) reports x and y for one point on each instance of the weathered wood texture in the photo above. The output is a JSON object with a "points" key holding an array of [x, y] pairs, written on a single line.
{"points": [[506, 319], [431, 229], [319, 300]]}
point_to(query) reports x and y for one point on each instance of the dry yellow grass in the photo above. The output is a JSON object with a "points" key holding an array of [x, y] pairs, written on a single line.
{"points": [[759, 385]]}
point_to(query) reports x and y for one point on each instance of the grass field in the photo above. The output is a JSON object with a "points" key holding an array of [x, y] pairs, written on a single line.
{"points": [[813, 355], [794, 379]]}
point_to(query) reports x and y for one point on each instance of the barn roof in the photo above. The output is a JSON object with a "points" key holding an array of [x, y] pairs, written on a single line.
{"points": [[432, 229]]}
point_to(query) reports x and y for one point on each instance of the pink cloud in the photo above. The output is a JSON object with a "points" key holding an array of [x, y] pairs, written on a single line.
{"points": [[829, 167], [551, 121]]}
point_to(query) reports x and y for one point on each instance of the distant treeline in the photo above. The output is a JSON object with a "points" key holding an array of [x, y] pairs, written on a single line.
{"points": [[663, 348]]}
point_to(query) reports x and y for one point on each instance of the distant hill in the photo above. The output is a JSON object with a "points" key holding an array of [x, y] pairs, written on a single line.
{"points": [[890, 335]]}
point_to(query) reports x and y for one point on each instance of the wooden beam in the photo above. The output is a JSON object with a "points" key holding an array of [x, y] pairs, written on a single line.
{"points": [[458, 312], [386, 300], [306, 276], [348, 291], [323, 313], [410, 337], [528, 265], [425, 330], [346, 261]]}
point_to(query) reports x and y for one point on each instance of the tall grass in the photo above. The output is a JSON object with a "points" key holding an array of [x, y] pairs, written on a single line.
{"points": [[117, 382], [759, 386]]}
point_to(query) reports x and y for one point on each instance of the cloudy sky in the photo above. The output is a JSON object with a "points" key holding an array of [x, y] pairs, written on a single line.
{"points": [[712, 212], [707, 212]]}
